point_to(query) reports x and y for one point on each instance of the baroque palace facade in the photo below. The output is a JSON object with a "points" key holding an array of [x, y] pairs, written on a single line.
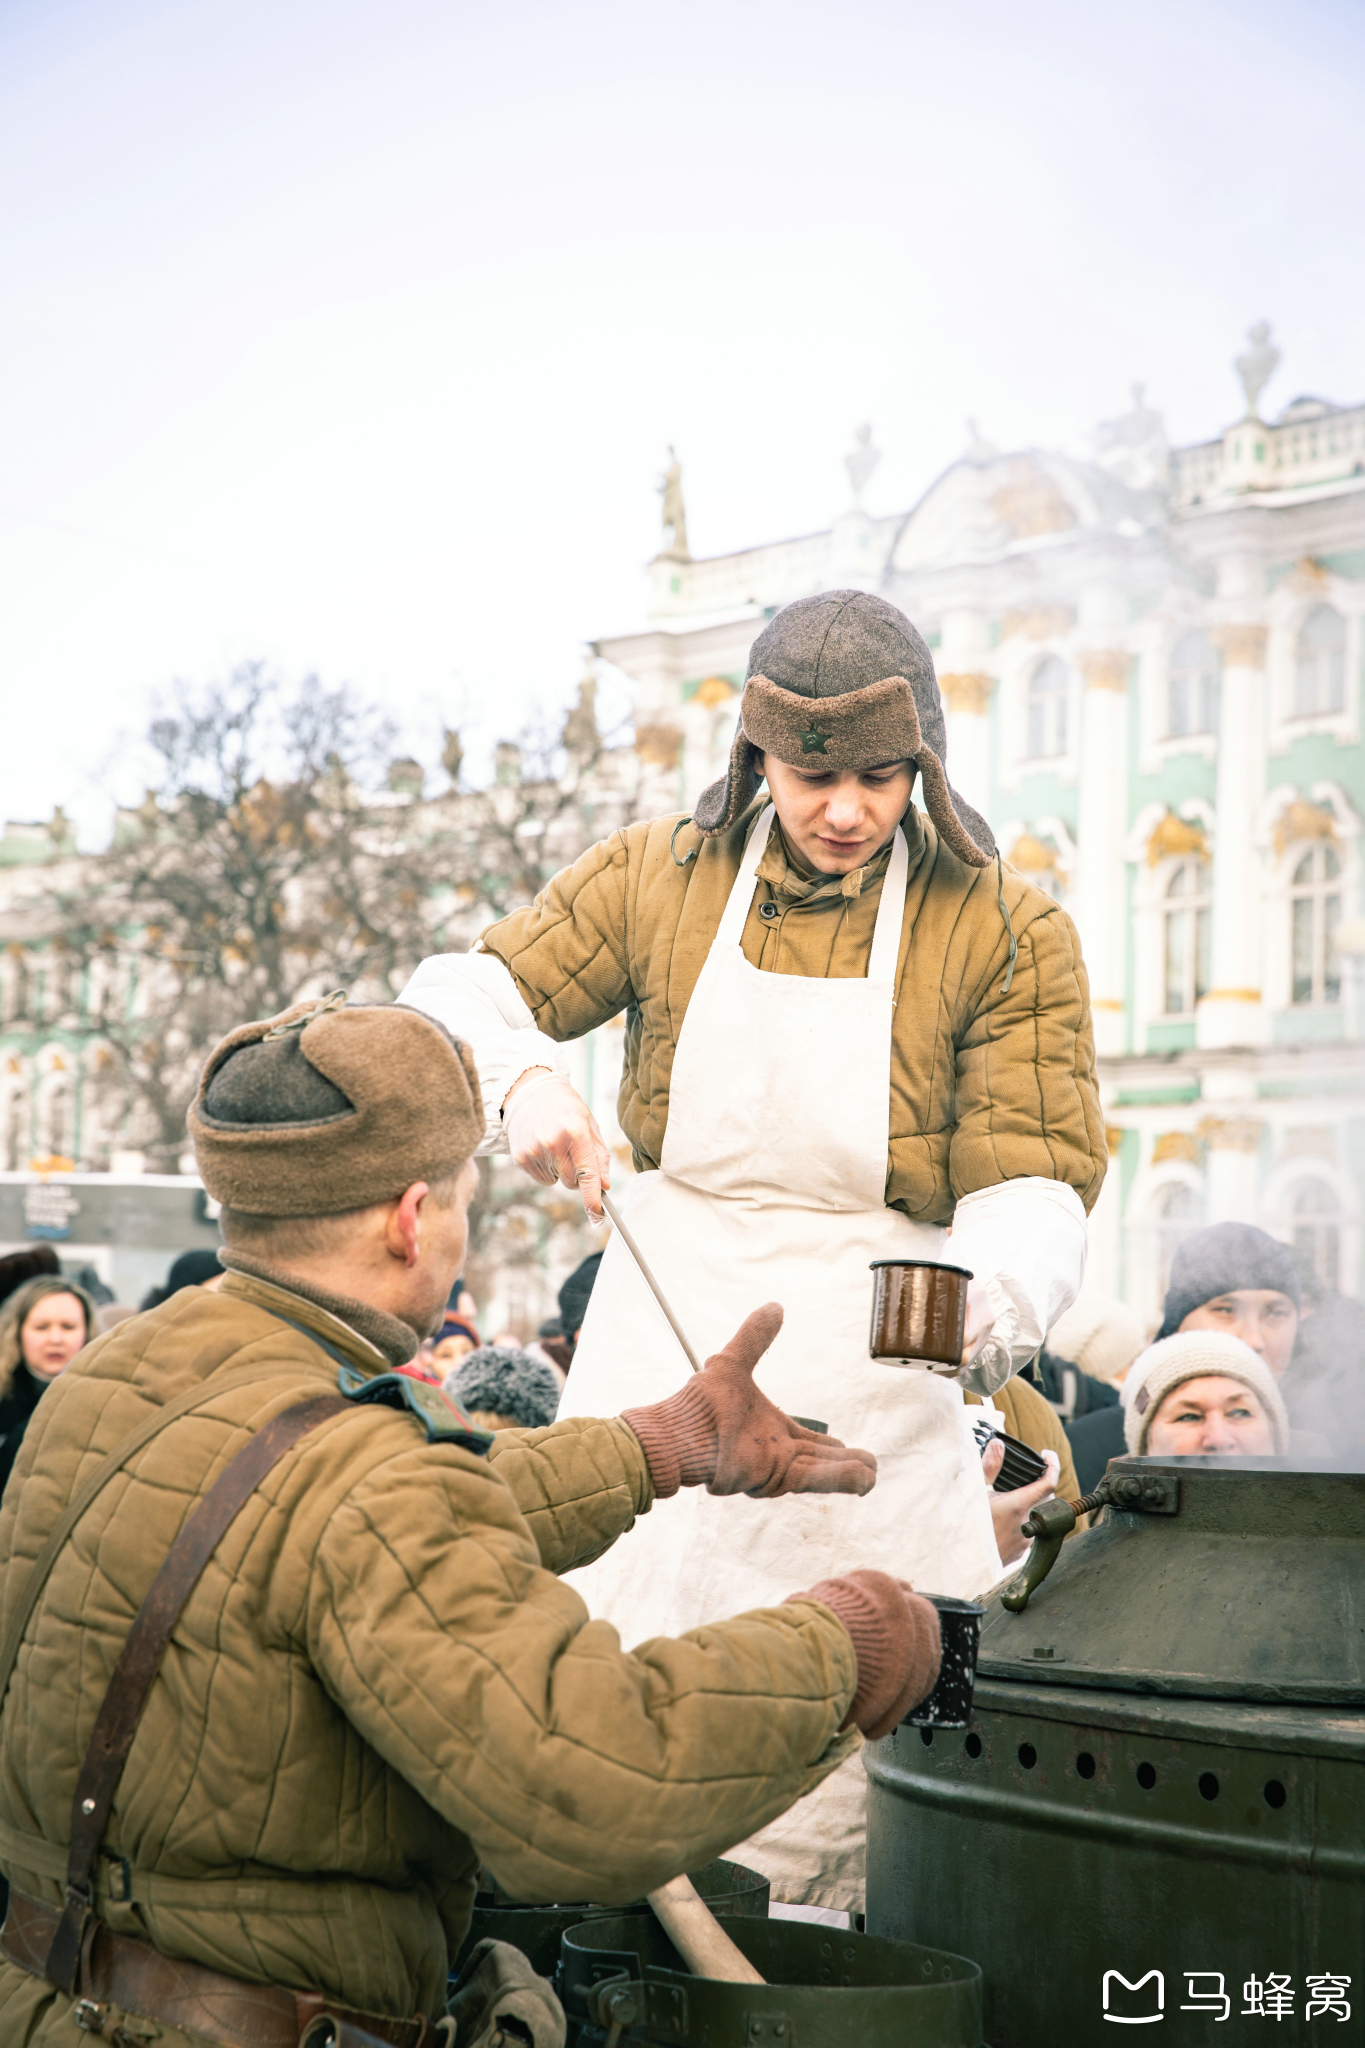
{"points": [[1152, 665]]}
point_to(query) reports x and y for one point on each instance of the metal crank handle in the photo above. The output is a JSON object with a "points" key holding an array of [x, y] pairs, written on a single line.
{"points": [[1051, 1522], [651, 1283]]}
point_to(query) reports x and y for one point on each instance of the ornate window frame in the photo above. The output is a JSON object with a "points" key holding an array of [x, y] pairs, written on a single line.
{"points": [[1151, 881], [1156, 745], [1142, 1222], [1019, 662], [1281, 861], [1275, 1208], [1300, 594]]}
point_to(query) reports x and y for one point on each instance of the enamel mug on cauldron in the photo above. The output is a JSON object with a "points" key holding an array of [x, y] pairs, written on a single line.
{"points": [[919, 1313]]}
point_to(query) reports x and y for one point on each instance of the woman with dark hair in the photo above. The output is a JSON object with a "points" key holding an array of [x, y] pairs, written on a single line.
{"points": [[42, 1327]]}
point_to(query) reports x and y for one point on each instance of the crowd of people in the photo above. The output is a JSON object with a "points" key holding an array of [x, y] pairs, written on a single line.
{"points": [[1253, 1357]]}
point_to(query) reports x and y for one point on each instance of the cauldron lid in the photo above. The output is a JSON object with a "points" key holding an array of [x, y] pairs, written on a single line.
{"points": [[1249, 1590]]}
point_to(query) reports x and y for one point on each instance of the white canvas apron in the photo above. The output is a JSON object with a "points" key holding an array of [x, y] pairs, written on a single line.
{"points": [[772, 1188]]}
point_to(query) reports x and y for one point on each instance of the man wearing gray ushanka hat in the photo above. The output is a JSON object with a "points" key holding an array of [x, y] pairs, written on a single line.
{"points": [[844, 680], [848, 1026]]}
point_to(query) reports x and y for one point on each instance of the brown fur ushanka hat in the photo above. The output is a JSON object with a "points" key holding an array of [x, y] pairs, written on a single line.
{"points": [[843, 680], [325, 1108]]}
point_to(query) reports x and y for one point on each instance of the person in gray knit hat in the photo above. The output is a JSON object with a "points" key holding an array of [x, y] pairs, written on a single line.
{"points": [[849, 1027]]}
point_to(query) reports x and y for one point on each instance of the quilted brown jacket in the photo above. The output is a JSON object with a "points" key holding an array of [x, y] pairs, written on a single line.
{"points": [[985, 1086], [378, 1680]]}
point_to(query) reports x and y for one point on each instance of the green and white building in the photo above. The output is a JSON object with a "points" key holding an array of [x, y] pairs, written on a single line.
{"points": [[1152, 663]]}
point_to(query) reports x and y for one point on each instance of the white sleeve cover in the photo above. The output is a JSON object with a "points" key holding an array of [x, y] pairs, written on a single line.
{"points": [[1025, 1240], [475, 997]]}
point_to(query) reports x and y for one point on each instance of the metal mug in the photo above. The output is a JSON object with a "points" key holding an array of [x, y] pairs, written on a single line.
{"points": [[949, 1705], [919, 1313]]}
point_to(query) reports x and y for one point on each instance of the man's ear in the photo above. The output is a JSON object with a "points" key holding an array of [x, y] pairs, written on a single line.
{"points": [[402, 1230]]}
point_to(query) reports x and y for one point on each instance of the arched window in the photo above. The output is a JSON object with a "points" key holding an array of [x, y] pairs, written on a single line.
{"points": [[1179, 1210], [1049, 698], [1315, 911], [1193, 703], [13, 1119], [1320, 680], [1185, 949], [1317, 1229]]}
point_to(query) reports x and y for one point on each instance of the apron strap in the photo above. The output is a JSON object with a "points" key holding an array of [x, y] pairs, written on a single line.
{"points": [[730, 930], [886, 936]]}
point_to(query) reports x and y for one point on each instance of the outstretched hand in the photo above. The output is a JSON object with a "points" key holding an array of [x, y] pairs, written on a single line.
{"points": [[722, 1432], [1009, 1511]]}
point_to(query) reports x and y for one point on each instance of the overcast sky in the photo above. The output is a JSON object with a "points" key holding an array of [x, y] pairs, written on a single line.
{"points": [[353, 336]]}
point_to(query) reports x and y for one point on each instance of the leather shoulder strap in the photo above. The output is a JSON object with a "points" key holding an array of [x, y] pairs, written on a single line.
{"points": [[85, 1497], [121, 1709]]}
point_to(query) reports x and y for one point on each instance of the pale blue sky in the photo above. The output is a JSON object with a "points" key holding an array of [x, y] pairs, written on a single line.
{"points": [[353, 335]]}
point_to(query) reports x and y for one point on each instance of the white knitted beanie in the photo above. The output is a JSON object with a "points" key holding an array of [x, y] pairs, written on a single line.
{"points": [[1098, 1334], [1193, 1355]]}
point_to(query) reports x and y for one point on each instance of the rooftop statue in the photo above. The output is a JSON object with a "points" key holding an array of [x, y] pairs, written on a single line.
{"points": [[1258, 365], [979, 449], [861, 461], [1133, 447], [674, 513]]}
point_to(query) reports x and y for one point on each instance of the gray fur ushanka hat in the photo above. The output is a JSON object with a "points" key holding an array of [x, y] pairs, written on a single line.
{"points": [[843, 680]]}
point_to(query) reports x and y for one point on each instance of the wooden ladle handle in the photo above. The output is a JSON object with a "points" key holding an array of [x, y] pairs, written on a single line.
{"points": [[698, 1936]]}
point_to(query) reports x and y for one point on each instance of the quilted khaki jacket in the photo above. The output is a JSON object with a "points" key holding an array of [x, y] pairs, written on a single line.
{"points": [[985, 1087], [378, 1681]]}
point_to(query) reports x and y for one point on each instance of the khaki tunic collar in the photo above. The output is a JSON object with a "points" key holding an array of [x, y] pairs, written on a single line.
{"points": [[372, 1341]]}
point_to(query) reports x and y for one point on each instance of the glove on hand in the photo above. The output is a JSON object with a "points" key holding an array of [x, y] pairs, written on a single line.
{"points": [[722, 1433], [895, 1634], [553, 1135]]}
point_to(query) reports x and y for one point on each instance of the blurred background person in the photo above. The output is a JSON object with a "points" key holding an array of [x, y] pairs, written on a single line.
{"points": [[1324, 1386], [42, 1327], [574, 1297], [191, 1269], [1202, 1394], [441, 1353], [1087, 1352], [35, 1262], [1231, 1279], [504, 1386]]}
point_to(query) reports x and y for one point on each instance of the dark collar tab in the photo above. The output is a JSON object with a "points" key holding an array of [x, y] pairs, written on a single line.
{"points": [[444, 1421]]}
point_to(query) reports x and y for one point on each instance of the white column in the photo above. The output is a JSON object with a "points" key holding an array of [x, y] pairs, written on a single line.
{"points": [[1233, 1012], [1101, 828], [966, 683], [1233, 1142]]}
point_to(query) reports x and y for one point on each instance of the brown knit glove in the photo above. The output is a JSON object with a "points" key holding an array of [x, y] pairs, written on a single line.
{"points": [[720, 1432], [895, 1634]]}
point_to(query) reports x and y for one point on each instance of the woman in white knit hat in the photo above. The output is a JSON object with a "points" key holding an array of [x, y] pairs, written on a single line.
{"points": [[1203, 1393]]}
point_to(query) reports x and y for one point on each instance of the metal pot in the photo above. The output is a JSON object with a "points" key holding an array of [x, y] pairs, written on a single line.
{"points": [[825, 1988], [536, 1930], [1159, 1805]]}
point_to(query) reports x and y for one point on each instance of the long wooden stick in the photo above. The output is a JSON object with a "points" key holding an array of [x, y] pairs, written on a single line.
{"points": [[651, 1283], [698, 1936]]}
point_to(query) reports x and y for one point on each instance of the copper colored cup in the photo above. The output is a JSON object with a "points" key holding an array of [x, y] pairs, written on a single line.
{"points": [[919, 1313]]}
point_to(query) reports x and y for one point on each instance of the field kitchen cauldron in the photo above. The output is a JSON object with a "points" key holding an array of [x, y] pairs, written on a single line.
{"points": [[622, 1981], [1157, 1813]]}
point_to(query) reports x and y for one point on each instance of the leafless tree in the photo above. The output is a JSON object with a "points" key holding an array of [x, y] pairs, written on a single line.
{"points": [[283, 853]]}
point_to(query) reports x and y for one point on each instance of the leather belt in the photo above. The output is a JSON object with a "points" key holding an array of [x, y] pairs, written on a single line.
{"points": [[120, 1971]]}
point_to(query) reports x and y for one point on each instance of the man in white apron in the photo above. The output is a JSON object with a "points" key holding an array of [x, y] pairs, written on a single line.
{"points": [[794, 1122]]}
